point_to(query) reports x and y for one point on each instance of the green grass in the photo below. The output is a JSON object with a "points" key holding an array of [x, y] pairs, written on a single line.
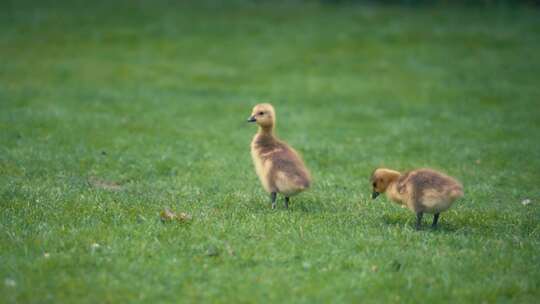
{"points": [[153, 97]]}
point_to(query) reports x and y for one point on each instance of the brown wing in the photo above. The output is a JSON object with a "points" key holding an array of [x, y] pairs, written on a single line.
{"points": [[287, 161], [426, 179]]}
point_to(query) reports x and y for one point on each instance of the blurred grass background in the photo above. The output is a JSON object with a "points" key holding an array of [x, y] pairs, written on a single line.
{"points": [[149, 99]]}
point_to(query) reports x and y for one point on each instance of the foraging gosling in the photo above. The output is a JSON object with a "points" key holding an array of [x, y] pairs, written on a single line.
{"points": [[421, 190], [279, 167]]}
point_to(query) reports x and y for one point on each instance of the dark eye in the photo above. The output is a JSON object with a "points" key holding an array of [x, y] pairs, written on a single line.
{"points": [[261, 113], [374, 184]]}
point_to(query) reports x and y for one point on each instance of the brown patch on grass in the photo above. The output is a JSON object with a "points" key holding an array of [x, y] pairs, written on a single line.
{"points": [[103, 184]]}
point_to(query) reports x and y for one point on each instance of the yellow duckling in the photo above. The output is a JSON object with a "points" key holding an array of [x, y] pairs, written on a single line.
{"points": [[421, 190], [279, 167]]}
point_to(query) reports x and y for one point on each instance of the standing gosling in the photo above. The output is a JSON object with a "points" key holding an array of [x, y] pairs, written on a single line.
{"points": [[279, 167], [421, 190]]}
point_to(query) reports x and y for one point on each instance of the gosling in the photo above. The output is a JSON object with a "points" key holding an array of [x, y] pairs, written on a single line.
{"points": [[279, 167], [421, 190]]}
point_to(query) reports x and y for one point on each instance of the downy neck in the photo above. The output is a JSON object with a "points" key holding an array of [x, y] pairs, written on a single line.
{"points": [[392, 191], [266, 130]]}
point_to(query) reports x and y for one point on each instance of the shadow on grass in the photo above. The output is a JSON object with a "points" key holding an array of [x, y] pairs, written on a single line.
{"points": [[261, 205], [316, 206], [404, 221], [308, 206]]}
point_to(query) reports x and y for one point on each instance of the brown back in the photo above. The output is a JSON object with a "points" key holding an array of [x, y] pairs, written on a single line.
{"points": [[425, 179], [284, 159]]}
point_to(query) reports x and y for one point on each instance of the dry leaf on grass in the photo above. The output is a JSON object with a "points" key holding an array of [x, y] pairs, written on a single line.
{"points": [[10, 282], [94, 247], [183, 217], [525, 202], [212, 251], [167, 215], [230, 250]]}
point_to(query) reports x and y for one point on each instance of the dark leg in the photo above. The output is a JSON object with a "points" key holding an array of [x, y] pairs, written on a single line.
{"points": [[273, 196], [419, 220], [435, 220], [286, 202]]}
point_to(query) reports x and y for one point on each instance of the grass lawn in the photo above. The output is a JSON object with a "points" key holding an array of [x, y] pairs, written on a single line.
{"points": [[109, 114]]}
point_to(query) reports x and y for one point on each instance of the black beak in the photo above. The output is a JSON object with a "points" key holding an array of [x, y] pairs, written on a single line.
{"points": [[374, 194], [251, 119]]}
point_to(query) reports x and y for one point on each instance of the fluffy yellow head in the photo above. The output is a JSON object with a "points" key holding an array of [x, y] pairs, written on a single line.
{"points": [[381, 178], [264, 115]]}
